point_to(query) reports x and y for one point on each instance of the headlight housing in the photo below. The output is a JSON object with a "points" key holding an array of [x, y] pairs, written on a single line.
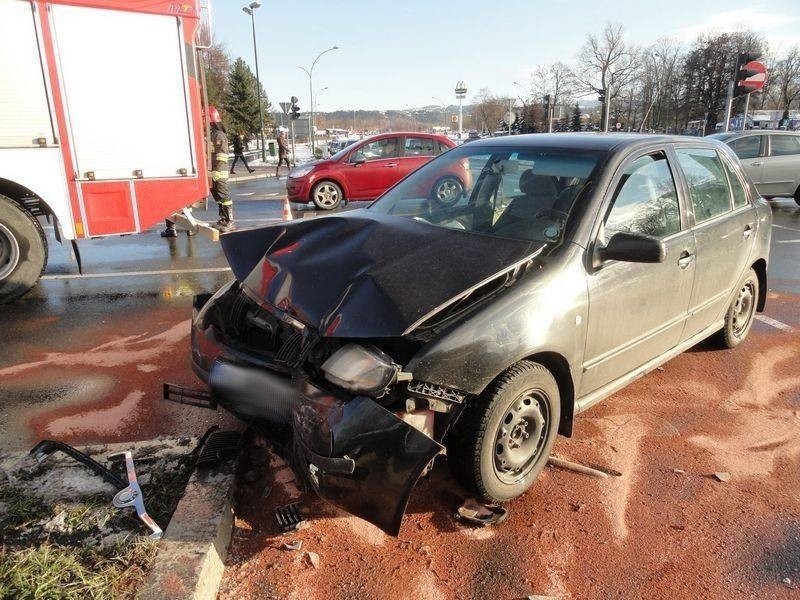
{"points": [[360, 369], [301, 171]]}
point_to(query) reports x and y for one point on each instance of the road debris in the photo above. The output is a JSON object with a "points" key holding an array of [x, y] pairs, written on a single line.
{"points": [[131, 496], [296, 545], [679, 471], [481, 514], [313, 559], [787, 581], [567, 465], [723, 476]]}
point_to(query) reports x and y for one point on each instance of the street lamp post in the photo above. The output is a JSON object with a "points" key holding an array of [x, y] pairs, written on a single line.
{"points": [[310, 73], [461, 93], [250, 10]]}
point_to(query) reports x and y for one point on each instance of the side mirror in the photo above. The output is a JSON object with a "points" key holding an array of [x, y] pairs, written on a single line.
{"points": [[359, 159], [633, 247]]}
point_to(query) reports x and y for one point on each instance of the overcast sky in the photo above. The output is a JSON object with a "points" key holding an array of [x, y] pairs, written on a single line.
{"points": [[394, 54]]}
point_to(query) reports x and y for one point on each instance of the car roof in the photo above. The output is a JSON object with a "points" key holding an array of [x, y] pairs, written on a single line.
{"points": [[729, 135], [588, 140]]}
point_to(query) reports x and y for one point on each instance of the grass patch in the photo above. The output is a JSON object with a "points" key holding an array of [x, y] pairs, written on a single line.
{"points": [[21, 509], [51, 572]]}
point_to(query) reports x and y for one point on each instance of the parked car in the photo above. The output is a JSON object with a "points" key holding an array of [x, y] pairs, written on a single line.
{"points": [[771, 158], [365, 170], [369, 341], [337, 145]]}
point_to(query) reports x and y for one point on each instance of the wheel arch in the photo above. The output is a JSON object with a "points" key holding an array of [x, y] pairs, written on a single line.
{"points": [[559, 367], [760, 267], [28, 200]]}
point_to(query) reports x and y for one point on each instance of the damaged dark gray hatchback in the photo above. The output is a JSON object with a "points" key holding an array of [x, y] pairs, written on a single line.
{"points": [[372, 340]]}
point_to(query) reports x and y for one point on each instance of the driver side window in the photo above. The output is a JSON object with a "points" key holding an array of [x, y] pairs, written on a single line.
{"points": [[378, 150], [645, 201]]}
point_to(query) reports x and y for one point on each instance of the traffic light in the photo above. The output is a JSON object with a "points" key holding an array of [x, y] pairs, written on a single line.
{"points": [[741, 73], [295, 110], [601, 96]]}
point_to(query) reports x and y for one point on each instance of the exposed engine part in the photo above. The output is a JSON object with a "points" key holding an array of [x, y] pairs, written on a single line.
{"points": [[416, 404], [288, 517], [46, 447], [190, 396], [131, 496], [438, 392], [421, 420]]}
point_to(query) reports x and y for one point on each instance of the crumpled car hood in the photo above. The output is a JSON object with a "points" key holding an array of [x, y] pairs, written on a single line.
{"points": [[362, 274]]}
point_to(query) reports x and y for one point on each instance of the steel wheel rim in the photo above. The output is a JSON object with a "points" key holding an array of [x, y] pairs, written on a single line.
{"points": [[327, 195], [447, 191], [521, 436], [743, 308], [9, 252]]}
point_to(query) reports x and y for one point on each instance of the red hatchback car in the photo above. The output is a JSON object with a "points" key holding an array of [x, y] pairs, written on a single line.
{"points": [[366, 169]]}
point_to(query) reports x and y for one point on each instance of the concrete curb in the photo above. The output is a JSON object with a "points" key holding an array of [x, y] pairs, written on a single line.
{"points": [[191, 555]]}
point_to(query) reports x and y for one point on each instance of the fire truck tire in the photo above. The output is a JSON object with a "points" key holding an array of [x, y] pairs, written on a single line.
{"points": [[23, 250]]}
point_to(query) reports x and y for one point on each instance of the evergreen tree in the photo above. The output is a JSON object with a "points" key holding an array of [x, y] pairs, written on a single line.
{"points": [[576, 118], [241, 101]]}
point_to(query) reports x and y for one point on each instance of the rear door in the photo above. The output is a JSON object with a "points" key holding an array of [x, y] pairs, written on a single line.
{"points": [[637, 311], [416, 152], [781, 169], [724, 232], [368, 180]]}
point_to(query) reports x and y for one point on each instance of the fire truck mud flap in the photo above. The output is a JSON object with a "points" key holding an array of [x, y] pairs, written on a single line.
{"points": [[360, 457]]}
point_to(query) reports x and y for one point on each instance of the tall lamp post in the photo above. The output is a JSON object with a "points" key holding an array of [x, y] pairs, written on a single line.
{"points": [[310, 73], [250, 10], [444, 110], [461, 93]]}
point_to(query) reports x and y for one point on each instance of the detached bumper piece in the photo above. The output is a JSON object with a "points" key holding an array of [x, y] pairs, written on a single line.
{"points": [[288, 517], [360, 457]]}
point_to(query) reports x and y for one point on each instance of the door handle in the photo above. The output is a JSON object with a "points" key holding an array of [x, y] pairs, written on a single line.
{"points": [[391, 164], [685, 259], [748, 230]]}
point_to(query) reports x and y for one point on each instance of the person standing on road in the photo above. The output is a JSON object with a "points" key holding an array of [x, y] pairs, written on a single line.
{"points": [[238, 153], [219, 171], [283, 153]]}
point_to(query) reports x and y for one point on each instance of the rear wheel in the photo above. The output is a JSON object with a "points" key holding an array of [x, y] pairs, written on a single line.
{"points": [[23, 250], [447, 191], [503, 440], [797, 195], [741, 311], [326, 195]]}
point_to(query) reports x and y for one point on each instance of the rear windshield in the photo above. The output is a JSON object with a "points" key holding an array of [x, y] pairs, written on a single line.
{"points": [[522, 193]]}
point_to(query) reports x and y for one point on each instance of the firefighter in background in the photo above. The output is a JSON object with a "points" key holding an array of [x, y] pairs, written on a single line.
{"points": [[219, 171]]}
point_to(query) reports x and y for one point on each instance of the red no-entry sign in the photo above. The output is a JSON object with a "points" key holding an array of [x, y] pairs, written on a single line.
{"points": [[756, 77]]}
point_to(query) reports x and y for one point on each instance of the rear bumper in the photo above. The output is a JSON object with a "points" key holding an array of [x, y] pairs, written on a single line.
{"points": [[354, 453]]}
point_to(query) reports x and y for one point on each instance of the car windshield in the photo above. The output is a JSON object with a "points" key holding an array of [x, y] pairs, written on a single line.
{"points": [[522, 193]]}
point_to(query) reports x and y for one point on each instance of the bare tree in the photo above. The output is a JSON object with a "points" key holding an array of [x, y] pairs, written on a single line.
{"points": [[785, 80], [555, 79], [489, 110], [607, 63]]}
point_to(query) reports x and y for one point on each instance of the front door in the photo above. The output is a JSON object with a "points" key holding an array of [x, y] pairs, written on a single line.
{"points": [[637, 311], [724, 233], [380, 170], [751, 150], [780, 170]]}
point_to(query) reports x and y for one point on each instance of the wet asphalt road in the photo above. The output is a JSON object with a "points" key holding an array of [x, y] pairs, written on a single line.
{"points": [[83, 357]]}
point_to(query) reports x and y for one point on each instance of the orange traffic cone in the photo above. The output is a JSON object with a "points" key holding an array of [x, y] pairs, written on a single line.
{"points": [[287, 209]]}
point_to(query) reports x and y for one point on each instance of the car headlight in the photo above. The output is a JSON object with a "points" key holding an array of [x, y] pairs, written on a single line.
{"points": [[360, 370], [301, 171]]}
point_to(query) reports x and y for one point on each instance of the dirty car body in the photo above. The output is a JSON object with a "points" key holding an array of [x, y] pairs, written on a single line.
{"points": [[372, 340]]}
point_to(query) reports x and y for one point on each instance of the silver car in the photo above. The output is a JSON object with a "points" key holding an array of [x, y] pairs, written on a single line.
{"points": [[372, 340], [771, 158]]}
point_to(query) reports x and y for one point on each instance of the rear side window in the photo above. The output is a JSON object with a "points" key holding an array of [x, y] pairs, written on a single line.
{"points": [[739, 195], [379, 149], [420, 147], [442, 147], [708, 185], [645, 201], [747, 147], [784, 145]]}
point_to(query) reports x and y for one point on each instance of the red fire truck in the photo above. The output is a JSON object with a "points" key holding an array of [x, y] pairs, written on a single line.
{"points": [[101, 123]]}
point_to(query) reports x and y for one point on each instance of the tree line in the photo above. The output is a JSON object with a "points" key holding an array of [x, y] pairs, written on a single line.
{"points": [[662, 87]]}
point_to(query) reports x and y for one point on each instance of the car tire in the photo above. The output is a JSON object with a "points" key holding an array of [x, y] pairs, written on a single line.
{"points": [[502, 441], [447, 191], [797, 195], [326, 195], [23, 250], [740, 313]]}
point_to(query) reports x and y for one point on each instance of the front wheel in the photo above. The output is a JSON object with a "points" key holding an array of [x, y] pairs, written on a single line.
{"points": [[797, 195], [326, 195], [23, 250], [503, 440], [739, 318]]}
